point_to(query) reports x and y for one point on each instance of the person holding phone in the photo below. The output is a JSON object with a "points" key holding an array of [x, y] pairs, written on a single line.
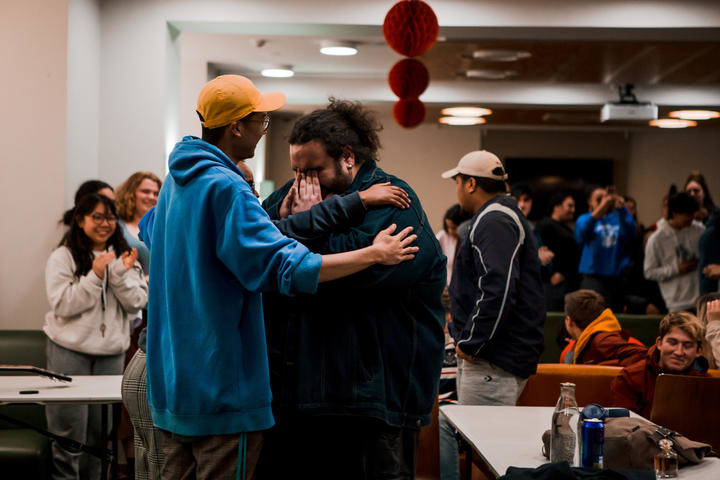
{"points": [[671, 254], [604, 235]]}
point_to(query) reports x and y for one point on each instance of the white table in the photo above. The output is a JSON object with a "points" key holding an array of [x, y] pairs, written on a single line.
{"points": [[83, 389], [512, 436]]}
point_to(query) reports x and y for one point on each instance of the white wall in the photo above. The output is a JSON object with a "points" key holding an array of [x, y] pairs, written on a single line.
{"points": [[83, 94], [33, 89]]}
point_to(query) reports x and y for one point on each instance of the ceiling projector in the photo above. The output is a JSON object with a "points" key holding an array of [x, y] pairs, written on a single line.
{"points": [[628, 108]]}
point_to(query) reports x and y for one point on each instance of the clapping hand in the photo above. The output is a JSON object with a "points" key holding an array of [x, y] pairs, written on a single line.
{"points": [[129, 258], [385, 194], [101, 262]]}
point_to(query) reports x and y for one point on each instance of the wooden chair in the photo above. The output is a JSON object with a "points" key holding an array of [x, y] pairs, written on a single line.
{"points": [[428, 458], [689, 405], [592, 384]]}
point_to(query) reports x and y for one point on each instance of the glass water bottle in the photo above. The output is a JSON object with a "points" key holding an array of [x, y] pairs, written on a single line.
{"points": [[564, 439]]}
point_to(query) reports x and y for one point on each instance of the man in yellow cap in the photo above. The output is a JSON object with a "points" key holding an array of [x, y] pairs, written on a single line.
{"points": [[214, 250]]}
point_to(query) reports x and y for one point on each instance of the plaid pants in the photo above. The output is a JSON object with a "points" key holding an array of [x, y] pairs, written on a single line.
{"points": [[148, 441], [215, 457]]}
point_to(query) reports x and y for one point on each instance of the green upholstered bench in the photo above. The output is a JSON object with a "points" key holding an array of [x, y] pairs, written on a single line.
{"points": [[642, 327], [24, 453]]}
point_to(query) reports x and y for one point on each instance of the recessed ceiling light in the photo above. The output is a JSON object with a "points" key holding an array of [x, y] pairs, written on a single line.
{"points": [[487, 74], [695, 114], [672, 123], [461, 120], [338, 49], [278, 72], [488, 55], [466, 111]]}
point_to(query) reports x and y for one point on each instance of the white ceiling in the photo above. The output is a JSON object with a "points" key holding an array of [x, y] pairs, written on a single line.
{"points": [[231, 47]]}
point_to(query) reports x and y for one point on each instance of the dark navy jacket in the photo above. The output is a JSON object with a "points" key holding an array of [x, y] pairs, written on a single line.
{"points": [[370, 344], [496, 295], [709, 252]]}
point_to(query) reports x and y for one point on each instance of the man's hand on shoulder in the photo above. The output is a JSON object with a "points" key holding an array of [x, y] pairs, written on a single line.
{"points": [[393, 249], [385, 194]]}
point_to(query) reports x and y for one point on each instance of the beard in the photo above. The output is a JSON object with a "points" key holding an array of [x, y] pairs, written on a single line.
{"points": [[338, 184]]}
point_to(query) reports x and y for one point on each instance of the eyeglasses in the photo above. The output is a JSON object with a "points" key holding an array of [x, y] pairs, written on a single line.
{"points": [[265, 121], [98, 218]]}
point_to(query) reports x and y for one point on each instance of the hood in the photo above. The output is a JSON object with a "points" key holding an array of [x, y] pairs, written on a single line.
{"points": [[192, 156], [605, 322]]}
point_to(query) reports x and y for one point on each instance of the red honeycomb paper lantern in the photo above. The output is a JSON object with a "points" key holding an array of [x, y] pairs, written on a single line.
{"points": [[411, 27], [408, 78], [409, 112]]}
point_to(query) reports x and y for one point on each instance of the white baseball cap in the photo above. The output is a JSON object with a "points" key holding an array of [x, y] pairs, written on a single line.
{"points": [[479, 163]]}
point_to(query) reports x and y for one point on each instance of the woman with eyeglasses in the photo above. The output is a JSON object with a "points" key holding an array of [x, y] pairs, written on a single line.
{"points": [[94, 285]]}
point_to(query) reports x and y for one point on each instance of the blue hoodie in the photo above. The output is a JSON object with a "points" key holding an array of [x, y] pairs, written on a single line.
{"points": [[604, 242], [214, 250]]}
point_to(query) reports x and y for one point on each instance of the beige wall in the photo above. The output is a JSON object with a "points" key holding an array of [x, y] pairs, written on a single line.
{"points": [[660, 158], [33, 48]]}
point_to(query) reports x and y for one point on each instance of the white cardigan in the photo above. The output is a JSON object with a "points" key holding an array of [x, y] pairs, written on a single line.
{"points": [[77, 307]]}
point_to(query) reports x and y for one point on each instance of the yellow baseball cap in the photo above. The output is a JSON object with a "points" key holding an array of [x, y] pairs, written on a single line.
{"points": [[231, 97]]}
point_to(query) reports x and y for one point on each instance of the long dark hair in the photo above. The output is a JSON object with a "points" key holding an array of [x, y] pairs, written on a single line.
{"points": [[78, 242], [87, 187], [456, 215], [696, 176]]}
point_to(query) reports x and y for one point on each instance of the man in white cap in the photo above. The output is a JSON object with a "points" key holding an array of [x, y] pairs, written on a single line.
{"points": [[214, 249], [496, 295]]}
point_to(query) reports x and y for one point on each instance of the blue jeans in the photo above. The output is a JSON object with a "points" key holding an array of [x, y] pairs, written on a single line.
{"points": [[479, 383]]}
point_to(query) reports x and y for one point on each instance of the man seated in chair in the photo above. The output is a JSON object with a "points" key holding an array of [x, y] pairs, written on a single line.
{"points": [[676, 351], [597, 338]]}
